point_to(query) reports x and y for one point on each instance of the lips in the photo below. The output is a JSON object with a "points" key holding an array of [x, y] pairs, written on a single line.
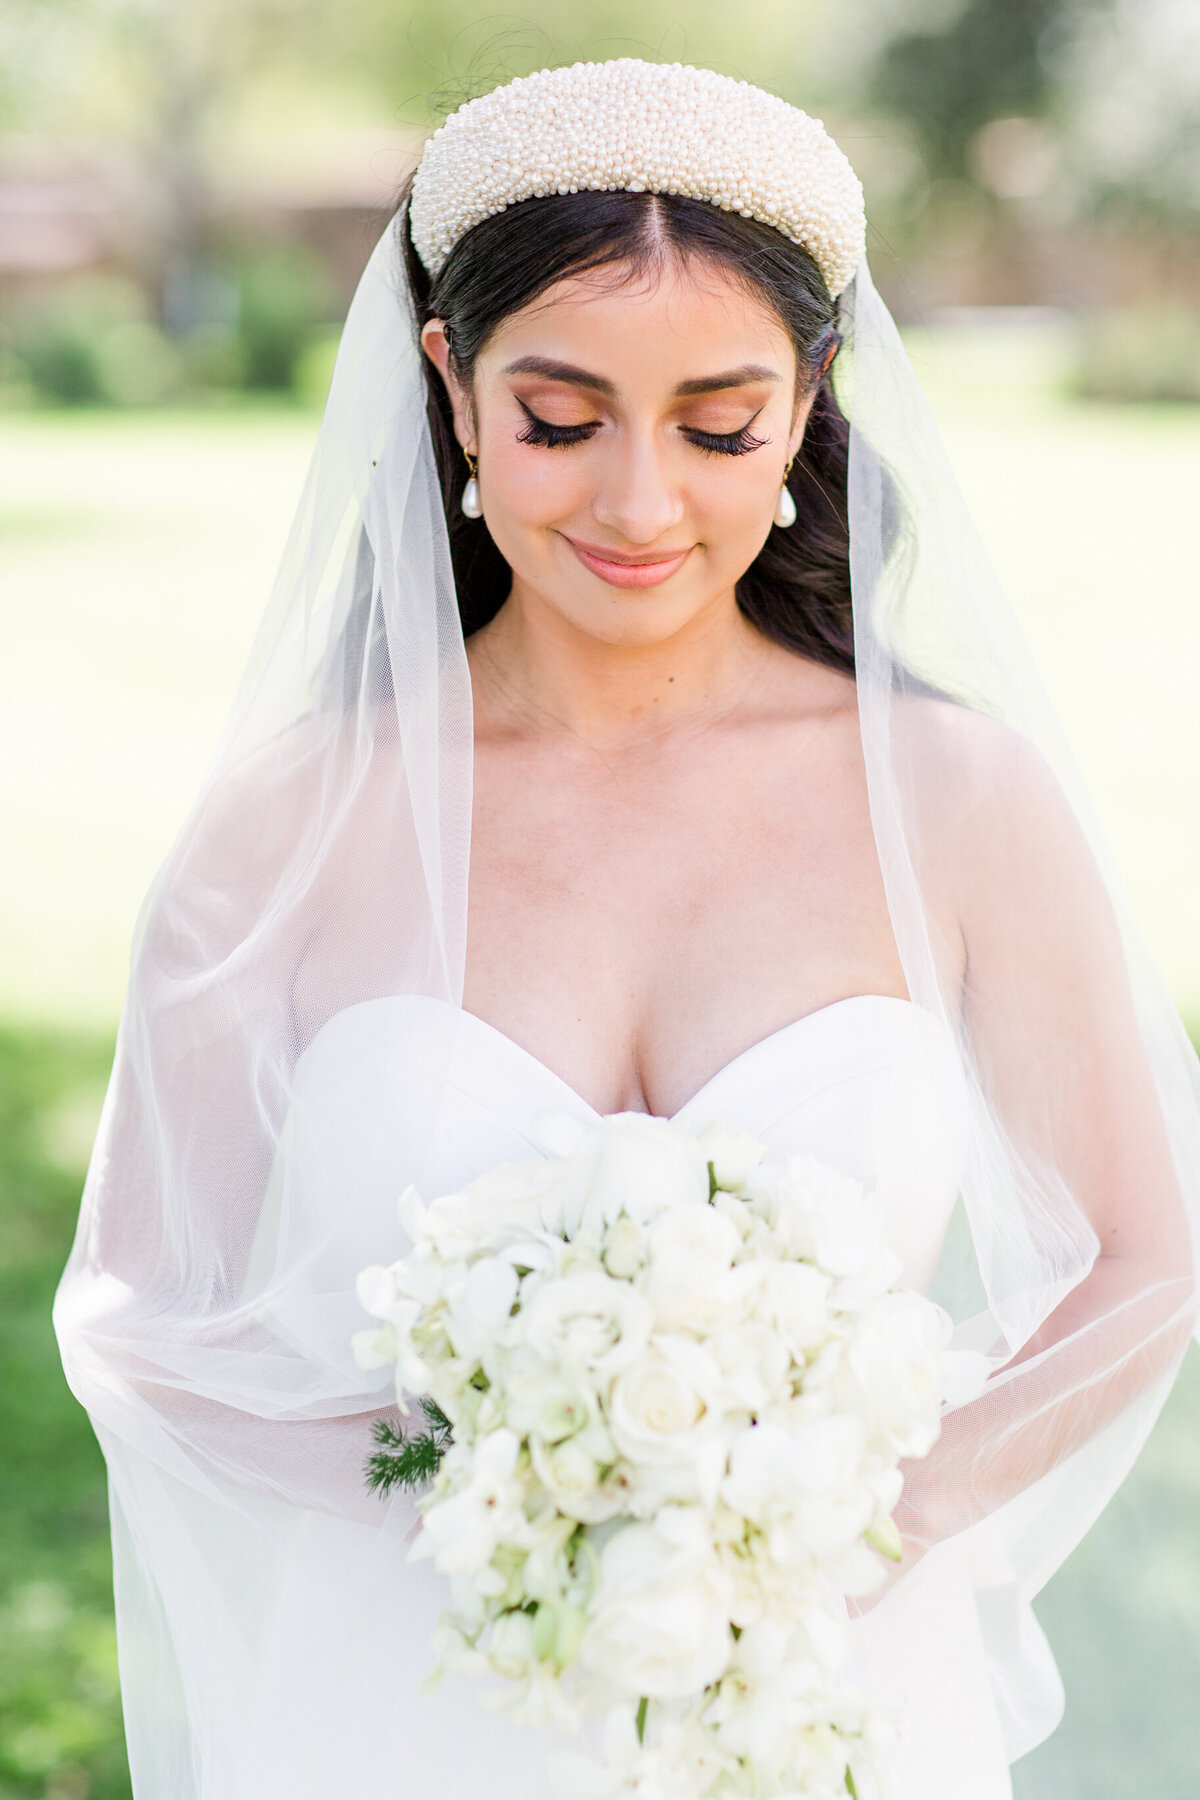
{"points": [[638, 571]]}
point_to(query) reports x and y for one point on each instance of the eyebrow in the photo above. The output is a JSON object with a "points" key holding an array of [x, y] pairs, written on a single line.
{"points": [[599, 384]]}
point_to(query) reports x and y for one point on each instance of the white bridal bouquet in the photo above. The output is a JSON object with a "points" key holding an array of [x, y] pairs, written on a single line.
{"points": [[667, 1385]]}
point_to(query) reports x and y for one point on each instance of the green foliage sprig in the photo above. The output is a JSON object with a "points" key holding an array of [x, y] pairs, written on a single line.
{"points": [[406, 1460]]}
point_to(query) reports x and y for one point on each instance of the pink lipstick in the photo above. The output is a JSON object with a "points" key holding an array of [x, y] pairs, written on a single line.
{"points": [[638, 571]]}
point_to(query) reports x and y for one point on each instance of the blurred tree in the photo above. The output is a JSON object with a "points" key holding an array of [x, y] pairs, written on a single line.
{"points": [[160, 79], [991, 59]]}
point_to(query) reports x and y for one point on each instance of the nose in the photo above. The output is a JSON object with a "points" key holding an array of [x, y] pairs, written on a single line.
{"points": [[637, 498]]}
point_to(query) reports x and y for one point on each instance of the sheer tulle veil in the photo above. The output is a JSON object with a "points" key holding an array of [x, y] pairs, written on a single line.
{"points": [[206, 1313]]}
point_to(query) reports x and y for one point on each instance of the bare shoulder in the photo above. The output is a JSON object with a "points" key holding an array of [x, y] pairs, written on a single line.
{"points": [[257, 823], [974, 767]]}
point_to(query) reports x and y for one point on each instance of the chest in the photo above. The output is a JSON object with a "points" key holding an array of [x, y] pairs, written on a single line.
{"points": [[635, 924]]}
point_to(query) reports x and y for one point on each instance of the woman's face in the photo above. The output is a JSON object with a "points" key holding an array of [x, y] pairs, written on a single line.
{"points": [[632, 439]]}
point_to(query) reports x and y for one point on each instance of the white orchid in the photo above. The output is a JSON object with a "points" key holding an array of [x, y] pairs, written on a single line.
{"points": [[482, 1508]]}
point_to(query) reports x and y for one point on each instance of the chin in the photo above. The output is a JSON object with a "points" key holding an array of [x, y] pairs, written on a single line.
{"points": [[633, 620]]}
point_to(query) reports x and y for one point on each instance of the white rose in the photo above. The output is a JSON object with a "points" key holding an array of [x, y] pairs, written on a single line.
{"points": [[733, 1153], [587, 1321], [891, 1372], [659, 1624], [667, 1423], [691, 1249], [636, 1164]]}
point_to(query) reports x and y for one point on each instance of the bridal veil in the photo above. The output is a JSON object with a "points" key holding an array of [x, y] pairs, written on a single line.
{"points": [[206, 1313]]}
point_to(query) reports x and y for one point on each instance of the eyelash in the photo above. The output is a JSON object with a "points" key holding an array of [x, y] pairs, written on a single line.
{"points": [[555, 437]]}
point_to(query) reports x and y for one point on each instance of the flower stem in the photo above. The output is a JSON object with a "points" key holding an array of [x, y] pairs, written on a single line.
{"points": [[643, 1703]]}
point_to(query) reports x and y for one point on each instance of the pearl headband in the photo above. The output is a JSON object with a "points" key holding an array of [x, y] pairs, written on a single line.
{"points": [[656, 128]]}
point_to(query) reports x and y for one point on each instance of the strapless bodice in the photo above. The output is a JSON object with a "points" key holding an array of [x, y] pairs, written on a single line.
{"points": [[412, 1089]]}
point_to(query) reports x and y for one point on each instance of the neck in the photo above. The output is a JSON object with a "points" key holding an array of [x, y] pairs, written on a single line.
{"points": [[530, 663]]}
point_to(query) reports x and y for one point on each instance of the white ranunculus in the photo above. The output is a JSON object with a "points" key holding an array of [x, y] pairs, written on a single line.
{"points": [[659, 1624], [691, 1249], [753, 1362], [638, 1165], [825, 1216], [586, 1321], [891, 1372], [793, 1300], [733, 1153]]}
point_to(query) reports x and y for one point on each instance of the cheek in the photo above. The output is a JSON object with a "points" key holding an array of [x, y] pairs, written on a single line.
{"points": [[530, 488], [732, 500]]}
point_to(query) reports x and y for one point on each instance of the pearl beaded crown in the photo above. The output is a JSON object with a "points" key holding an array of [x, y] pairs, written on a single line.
{"points": [[654, 128]]}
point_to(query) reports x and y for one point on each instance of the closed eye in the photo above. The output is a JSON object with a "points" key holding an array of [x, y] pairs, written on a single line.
{"points": [[546, 436], [549, 437], [724, 443]]}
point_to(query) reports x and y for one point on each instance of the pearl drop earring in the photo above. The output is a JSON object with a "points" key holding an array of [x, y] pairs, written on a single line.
{"points": [[470, 495], [785, 506]]}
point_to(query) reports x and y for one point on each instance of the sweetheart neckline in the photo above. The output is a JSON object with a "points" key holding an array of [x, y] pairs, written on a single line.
{"points": [[760, 1045]]}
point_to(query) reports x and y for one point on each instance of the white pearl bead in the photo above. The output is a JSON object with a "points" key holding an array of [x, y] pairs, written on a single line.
{"points": [[785, 508]]}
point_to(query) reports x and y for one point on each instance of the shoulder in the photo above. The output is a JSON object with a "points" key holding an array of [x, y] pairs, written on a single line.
{"points": [[260, 825], [1009, 842], [977, 771]]}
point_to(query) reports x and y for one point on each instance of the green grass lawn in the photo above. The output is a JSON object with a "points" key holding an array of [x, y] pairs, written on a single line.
{"points": [[60, 1718], [136, 553]]}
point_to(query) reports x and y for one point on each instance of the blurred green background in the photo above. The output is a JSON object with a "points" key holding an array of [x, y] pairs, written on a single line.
{"points": [[188, 193]]}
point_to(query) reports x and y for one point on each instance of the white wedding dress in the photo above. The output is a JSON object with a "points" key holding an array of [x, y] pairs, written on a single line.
{"points": [[408, 1089]]}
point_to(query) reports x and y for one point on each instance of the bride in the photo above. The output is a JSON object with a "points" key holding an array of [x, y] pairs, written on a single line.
{"points": [[628, 562]]}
